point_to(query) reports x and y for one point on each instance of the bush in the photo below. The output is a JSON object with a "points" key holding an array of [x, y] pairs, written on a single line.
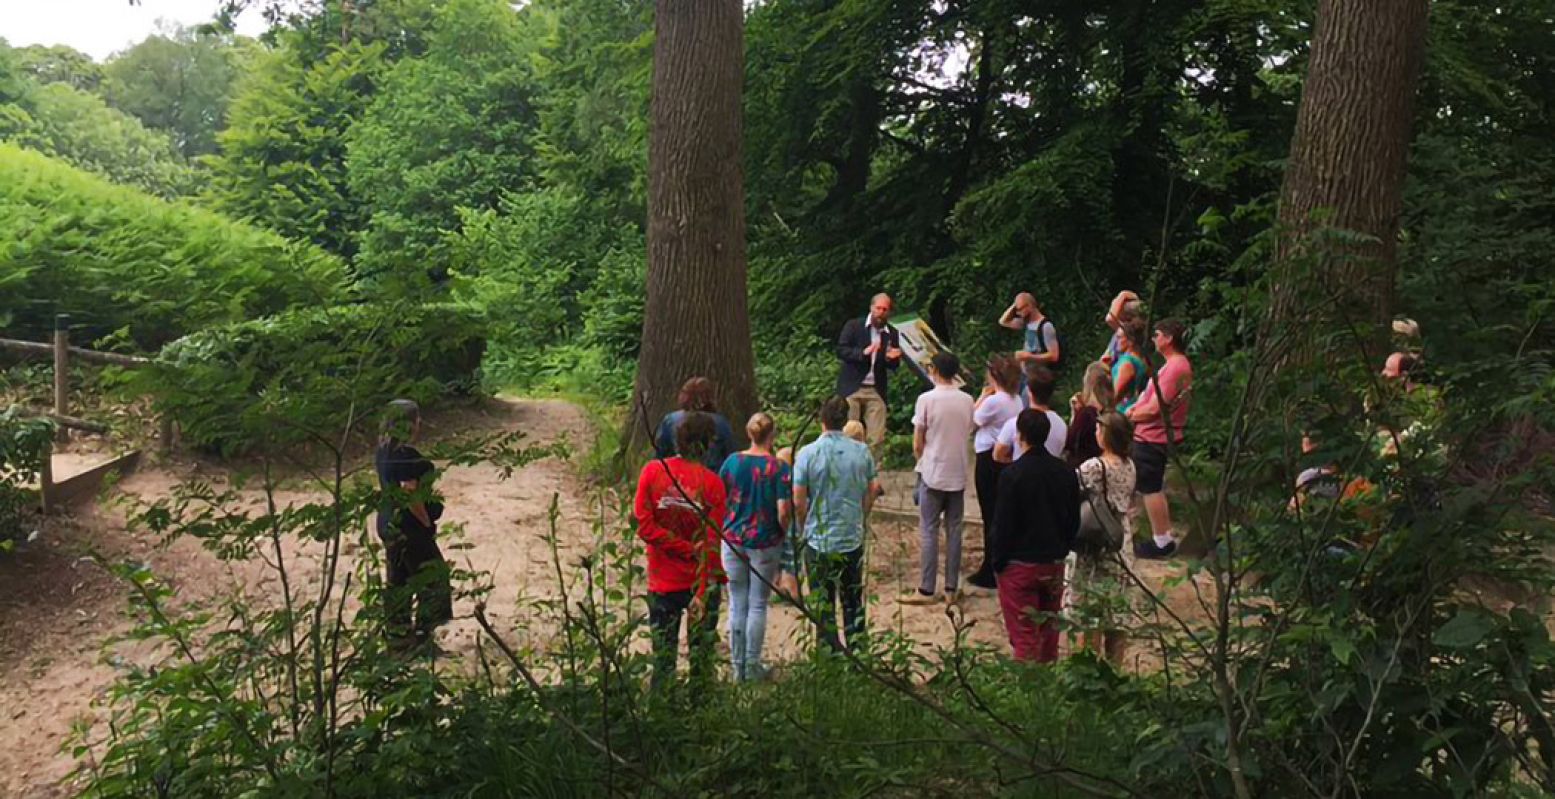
{"points": [[231, 718], [116, 259], [78, 127], [23, 440], [545, 269], [247, 385]]}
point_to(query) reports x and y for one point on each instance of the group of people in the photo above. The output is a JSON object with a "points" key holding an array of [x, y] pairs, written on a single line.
{"points": [[753, 518], [1047, 486], [750, 519], [708, 521]]}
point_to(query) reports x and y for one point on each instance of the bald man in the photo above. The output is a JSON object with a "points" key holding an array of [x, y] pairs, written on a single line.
{"points": [[1041, 336], [870, 349]]}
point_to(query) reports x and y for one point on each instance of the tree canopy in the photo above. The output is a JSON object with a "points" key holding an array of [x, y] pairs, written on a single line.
{"points": [[60, 119]]}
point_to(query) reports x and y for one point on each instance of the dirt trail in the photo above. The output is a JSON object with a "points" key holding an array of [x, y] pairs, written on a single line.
{"points": [[57, 609]]}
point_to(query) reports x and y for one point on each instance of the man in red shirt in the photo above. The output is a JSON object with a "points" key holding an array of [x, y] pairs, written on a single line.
{"points": [[1159, 417], [679, 506]]}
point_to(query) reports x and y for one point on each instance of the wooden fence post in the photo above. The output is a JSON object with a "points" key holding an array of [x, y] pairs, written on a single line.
{"points": [[62, 370], [166, 434], [46, 477]]}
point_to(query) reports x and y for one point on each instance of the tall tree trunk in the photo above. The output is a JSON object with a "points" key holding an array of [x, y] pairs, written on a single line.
{"points": [[1347, 165], [864, 112], [696, 321], [977, 120]]}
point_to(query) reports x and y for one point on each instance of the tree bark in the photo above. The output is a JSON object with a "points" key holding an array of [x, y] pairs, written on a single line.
{"points": [[1347, 165], [977, 120], [696, 320]]}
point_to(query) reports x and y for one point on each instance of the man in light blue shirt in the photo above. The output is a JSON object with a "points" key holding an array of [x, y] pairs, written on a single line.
{"points": [[834, 487]]}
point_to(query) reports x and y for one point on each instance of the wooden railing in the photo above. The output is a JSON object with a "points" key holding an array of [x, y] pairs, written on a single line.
{"points": [[62, 352]]}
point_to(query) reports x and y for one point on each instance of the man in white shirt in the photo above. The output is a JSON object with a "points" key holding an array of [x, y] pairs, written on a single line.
{"points": [[1039, 392], [942, 425]]}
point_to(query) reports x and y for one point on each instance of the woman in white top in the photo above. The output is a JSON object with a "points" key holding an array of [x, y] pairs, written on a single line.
{"points": [[997, 404], [1098, 585]]}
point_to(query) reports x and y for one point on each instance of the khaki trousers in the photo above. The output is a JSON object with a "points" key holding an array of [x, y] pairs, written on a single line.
{"points": [[865, 405]]}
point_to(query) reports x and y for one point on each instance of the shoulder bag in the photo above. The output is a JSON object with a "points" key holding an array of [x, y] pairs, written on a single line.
{"points": [[1101, 531]]}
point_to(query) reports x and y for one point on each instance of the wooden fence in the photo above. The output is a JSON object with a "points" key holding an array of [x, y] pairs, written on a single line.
{"points": [[55, 494]]}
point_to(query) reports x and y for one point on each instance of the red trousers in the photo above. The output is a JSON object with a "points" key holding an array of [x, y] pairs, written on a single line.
{"points": [[1026, 589]]}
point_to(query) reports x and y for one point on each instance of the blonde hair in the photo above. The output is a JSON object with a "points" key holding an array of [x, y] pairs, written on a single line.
{"points": [[760, 428], [854, 429], [1096, 387]]}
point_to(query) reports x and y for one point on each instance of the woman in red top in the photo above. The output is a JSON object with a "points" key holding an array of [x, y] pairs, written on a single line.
{"points": [[680, 504]]}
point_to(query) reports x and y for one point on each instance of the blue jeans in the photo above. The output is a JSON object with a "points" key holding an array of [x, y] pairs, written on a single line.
{"points": [[748, 594]]}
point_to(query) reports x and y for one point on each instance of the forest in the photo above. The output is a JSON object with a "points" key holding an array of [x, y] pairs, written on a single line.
{"points": [[576, 205]]}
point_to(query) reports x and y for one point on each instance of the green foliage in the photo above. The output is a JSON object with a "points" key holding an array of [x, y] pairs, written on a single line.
{"points": [[593, 66], [24, 442], [953, 153], [282, 159], [81, 130], [446, 131], [179, 81], [273, 382], [43, 108], [118, 260], [59, 64], [262, 695], [573, 242], [543, 264], [296, 696]]}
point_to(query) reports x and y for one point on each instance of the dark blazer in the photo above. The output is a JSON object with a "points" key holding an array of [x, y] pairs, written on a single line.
{"points": [[1038, 513], [855, 364]]}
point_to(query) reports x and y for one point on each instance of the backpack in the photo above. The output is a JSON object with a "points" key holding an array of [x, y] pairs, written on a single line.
{"points": [[1063, 341]]}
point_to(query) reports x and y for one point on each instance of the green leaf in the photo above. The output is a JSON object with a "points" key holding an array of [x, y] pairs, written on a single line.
{"points": [[1343, 649], [1463, 630]]}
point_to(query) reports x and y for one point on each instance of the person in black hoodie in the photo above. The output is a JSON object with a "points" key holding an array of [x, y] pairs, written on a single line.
{"points": [[407, 525], [1035, 523]]}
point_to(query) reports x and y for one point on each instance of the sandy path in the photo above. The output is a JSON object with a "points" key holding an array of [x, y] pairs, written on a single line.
{"points": [[57, 609]]}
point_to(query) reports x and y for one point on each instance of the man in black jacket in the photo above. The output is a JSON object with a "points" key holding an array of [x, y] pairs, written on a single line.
{"points": [[1035, 523], [870, 349]]}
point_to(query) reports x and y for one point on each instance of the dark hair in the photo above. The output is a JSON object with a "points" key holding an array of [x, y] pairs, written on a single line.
{"points": [[399, 418], [834, 413], [1407, 363], [1118, 432], [1005, 372], [1174, 330], [696, 394], [694, 435], [946, 364], [1134, 330], [1033, 426], [1040, 381]]}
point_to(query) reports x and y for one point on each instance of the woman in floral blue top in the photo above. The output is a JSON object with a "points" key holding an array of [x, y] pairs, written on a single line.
{"points": [[759, 503]]}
